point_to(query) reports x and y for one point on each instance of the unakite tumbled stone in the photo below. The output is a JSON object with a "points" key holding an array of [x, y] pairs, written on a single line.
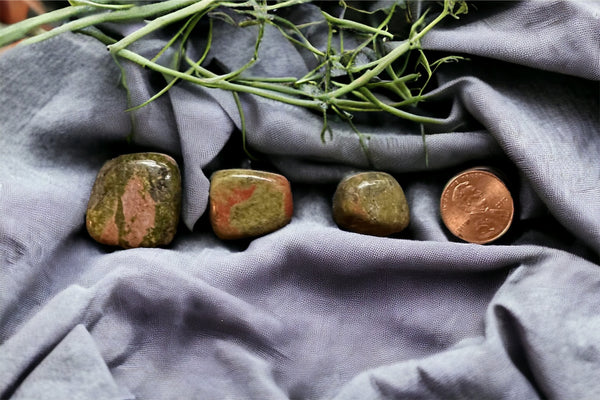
{"points": [[372, 203], [135, 201], [247, 203]]}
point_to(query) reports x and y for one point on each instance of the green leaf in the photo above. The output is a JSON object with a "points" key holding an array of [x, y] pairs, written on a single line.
{"points": [[463, 8], [425, 63], [447, 59], [222, 16]]}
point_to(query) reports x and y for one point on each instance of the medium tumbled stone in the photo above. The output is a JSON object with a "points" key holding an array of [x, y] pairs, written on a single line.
{"points": [[135, 201], [247, 203], [372, 203]]}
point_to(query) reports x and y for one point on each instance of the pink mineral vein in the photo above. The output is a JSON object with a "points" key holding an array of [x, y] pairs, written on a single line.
{"points": [[138, 210], [110, 234]]}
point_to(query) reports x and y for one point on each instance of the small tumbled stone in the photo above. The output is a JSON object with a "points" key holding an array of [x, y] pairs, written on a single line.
{"points": [[135, 201], [372, 203], [247, 203]]}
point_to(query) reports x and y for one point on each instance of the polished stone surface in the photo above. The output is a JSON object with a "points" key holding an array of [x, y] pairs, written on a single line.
{"points": [[372, 203], [248, 203], [135, 201]]}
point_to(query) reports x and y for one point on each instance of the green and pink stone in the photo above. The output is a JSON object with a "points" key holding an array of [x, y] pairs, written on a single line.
{"points": [[135, 201], [371, 203], [247, 203]]}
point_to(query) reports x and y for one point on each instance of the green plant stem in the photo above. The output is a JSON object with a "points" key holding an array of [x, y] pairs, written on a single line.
{"points": [[361, 139], [343, 104], [272, 87], [180, 32], [219, 84], [283, 79], [329, 55], [312, 75], [321, 89], [387, 60], [188, 72], [401, 79], [209, 40], [369, 74], [101, 5], [161, 22], [397, 112], [268, 90], [289, 95], [399, 86], [16, 31], [286, 3], [238, 103], [304, 42], [382, 25], [210, 77], [349, 24], [131, 14], [98, 35], [433, 23]]}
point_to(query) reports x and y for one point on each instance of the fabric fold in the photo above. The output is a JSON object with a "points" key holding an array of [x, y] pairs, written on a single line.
{"points": [[74, 369]]}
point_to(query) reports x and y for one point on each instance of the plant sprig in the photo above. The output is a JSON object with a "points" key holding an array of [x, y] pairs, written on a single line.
{"points": [[339, 84]]}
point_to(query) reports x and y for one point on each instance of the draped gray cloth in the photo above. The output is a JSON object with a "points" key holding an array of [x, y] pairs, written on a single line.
{"points": [[309, 311]]}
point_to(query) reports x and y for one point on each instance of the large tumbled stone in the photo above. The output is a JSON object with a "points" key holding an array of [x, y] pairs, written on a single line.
{"points": [[135, 201], [247, 203], [372, 203]]}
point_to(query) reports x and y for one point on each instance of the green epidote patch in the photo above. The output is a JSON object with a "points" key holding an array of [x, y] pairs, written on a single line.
{"points": [[135, 201], [260, 212], [372, 203]]}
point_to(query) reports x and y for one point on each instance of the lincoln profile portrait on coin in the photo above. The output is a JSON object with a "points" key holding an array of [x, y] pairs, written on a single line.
{"points": [[485, 219], [469, 198]]}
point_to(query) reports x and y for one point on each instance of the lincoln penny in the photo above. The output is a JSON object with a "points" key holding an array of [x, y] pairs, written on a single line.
{"points": [[476, 206]]}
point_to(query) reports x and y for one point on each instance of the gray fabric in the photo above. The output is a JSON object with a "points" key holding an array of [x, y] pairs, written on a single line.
{"points": [[74, 369], [309, 311]]}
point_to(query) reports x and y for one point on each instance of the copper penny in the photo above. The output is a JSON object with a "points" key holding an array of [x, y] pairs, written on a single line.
{"points": [[476, 206]]}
